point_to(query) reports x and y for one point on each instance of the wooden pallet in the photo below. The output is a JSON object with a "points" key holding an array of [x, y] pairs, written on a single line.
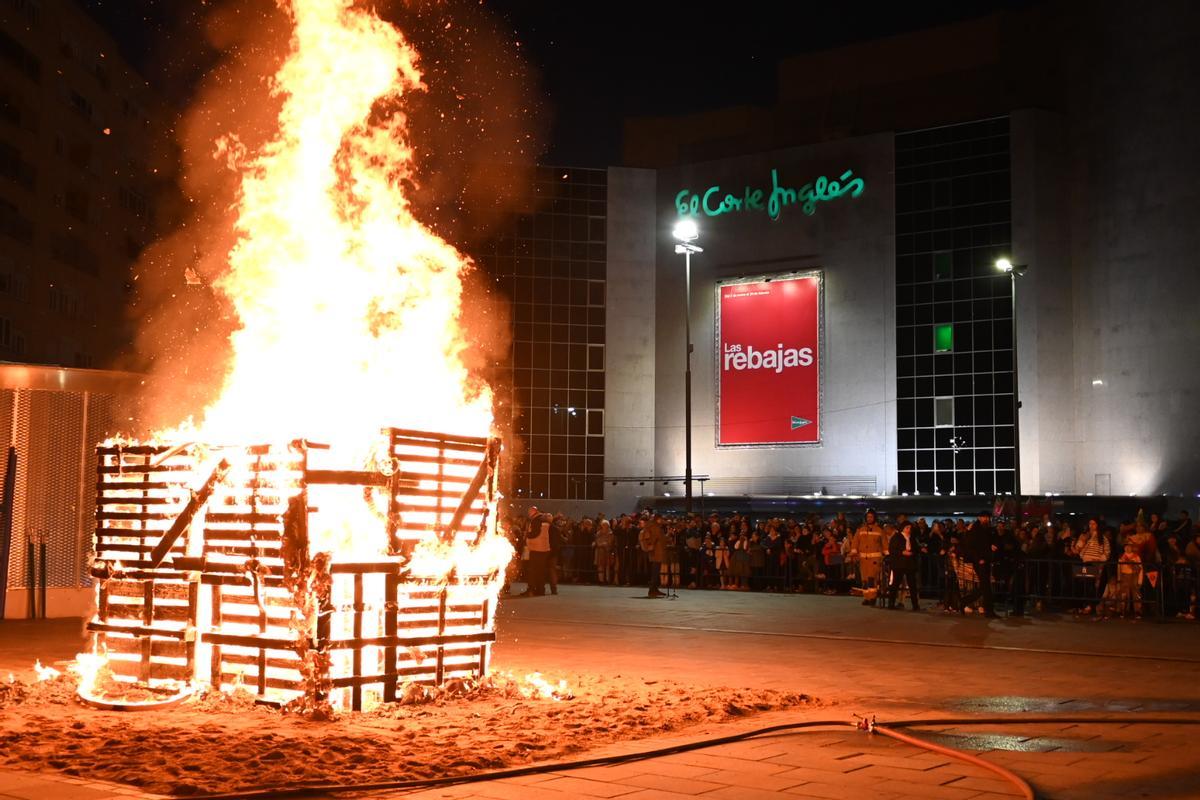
{"points": [[220, 576]]}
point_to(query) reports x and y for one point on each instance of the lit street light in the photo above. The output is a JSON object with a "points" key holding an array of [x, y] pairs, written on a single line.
{"points": [[1015, 271], [686, 232]]}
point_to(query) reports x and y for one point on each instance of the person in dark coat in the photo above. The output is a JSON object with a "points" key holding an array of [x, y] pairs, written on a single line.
{"points": [[1010, 568], [980, 548], [902, 556]]}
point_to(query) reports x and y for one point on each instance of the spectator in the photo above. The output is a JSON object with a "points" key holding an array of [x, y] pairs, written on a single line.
{"points": [[582, 560], [1183, 528], [1192, 551], [670, 565], [537, 539], [979, 547], [902, 559], [603, 554], [693, 561], [773, 547], [653, 541], [794, 554], [723, 561], [1128, 594], [741, 560], [758, 560], [832, 559]]}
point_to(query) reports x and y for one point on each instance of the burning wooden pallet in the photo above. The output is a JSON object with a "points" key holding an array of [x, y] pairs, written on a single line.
{"points": [[279, 573]]}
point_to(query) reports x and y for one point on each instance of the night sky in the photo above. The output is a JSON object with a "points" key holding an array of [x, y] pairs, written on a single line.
{"points": [[602, 62]]}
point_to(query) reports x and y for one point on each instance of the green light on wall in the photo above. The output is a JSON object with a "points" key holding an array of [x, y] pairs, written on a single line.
{"points": [[943, 338]]}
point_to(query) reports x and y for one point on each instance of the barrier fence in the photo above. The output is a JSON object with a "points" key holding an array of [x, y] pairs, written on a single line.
{"points": [[1049, 585]]}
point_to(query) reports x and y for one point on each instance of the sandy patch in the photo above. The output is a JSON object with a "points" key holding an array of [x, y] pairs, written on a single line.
{"points": [[221, 744]]}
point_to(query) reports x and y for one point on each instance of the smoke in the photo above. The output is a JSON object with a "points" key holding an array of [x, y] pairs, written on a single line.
{"points": [[477, 131]]}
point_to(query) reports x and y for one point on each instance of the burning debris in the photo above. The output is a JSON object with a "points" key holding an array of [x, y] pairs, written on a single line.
{"points": [[239, 552], [237, 583]]}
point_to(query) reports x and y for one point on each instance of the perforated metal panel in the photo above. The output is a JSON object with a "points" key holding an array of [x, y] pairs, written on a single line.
{"points": [[55, 433], [16, 433], [52, 511]]}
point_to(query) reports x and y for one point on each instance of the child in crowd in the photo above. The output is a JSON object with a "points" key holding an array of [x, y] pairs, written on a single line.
{"points": [[1127, 589]]}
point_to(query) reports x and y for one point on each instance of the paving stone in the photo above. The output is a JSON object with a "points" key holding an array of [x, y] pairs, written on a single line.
{"points": [[687, 786], [658, 794], [908, 764], [619, 772], [741, 793], [996, 786], [588, 788], [931, 791], [748, 780], [856, 778], [501, 790], [720, 762], [935, 777], [832, 791]]}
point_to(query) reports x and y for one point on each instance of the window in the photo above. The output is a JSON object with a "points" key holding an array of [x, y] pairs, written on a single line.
{"points": [[30, 9], [19, 58], [76, 203], [953, 359], [134, 202], [943, 265], [943, 412], [71, 250], [15, 168], [13, 224], [943, 338], [82, 106], [595, 357], [9, 112], [551, 264], [10, 339]]}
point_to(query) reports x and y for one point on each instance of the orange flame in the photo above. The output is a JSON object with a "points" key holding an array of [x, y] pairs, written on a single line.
{"points": [[348, 306], [348, 315]]}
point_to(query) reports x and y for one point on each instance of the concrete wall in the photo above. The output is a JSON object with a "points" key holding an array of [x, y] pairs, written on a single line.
{"points": [[1045, 314], [1135, 234], [629, 351], [852, 241]]}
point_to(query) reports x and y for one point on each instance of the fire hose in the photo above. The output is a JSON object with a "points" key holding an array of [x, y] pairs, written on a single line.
{"points": [[869, 726]]}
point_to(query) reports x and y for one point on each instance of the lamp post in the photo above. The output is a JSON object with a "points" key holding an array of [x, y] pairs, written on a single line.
{"points": [[686, 232], [1015, 271]]}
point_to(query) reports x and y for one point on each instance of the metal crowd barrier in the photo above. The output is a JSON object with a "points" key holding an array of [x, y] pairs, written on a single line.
{"points": [[1052, 585]]}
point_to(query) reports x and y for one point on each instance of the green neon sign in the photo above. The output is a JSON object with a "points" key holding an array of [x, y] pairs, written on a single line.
{"points": [[712, 203]]}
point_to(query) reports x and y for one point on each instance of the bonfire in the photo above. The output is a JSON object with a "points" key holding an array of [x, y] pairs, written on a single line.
{"points": [[325, 531]]}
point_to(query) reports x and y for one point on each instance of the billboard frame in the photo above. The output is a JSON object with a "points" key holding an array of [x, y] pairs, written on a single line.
{"points": [[819, 274]]}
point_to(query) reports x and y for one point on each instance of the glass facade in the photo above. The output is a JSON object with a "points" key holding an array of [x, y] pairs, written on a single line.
{"points": [[551, 264], [954, 344]]}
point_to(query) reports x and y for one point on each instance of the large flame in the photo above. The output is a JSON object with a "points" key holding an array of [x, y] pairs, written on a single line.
{"points": [[348, 313], [348, 306]]}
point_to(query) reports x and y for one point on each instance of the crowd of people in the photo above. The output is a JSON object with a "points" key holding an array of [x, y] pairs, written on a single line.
{"points": [[964, 563]]}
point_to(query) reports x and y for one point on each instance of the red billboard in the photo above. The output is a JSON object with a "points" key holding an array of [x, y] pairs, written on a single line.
{"points": [[769, 361]]}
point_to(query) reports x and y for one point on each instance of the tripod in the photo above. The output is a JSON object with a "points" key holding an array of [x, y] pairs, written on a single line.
{"points": [[672, 579]]}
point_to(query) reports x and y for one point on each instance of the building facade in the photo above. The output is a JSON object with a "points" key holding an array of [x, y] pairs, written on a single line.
{"points": [[75, 185], [1055, 136]]}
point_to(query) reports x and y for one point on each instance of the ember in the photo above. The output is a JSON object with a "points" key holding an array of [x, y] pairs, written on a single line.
{"points": [[239, 551]]}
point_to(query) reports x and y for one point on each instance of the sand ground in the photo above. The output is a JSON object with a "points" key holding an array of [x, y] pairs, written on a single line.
{"points": [[644, 672]]}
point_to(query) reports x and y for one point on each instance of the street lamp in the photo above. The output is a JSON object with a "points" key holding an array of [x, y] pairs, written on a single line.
{"points": [[1015, 271], [686, 232]]}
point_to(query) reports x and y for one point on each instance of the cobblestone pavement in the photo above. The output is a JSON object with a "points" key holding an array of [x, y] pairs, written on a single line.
{"points": [[892, 664]]}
